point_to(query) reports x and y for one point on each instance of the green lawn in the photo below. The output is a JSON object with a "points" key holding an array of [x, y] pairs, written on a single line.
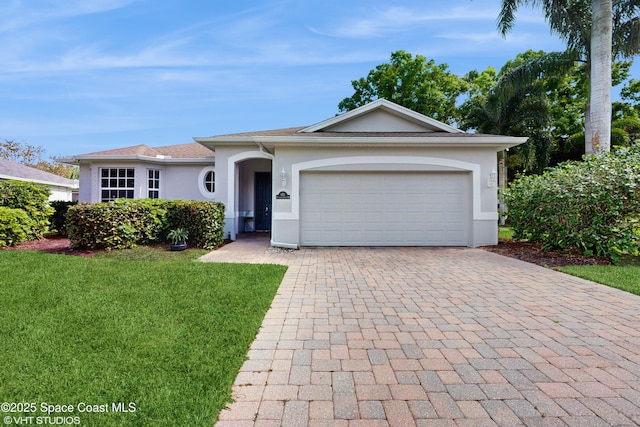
{"points": [[168, 335], [505, 233], [626, 278], [625, 275]]}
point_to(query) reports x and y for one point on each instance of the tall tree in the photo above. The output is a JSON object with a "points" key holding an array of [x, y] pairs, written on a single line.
{"points": [[525, 113], [19, 152], [414, 83], [31, 155], [599, 136], [596, 31]]}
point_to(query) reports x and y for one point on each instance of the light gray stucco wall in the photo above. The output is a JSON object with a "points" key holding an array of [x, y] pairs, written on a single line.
{"points": [[177, 181], [480, 162], [235, 167]]}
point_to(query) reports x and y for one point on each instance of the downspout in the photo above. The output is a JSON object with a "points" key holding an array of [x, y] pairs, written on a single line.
{"points": [[264, 149]]}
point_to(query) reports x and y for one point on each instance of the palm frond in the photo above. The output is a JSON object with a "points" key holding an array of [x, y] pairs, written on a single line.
{"points": [[507, 16], [626, 38], [523, 77]]}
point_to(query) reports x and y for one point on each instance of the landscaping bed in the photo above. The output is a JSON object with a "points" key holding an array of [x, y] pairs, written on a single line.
{"points": [[532, 252], [524, 251]]}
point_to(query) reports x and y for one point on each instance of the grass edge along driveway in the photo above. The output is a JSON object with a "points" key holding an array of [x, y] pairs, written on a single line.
{"points": [[626, 278], [164, 338]]}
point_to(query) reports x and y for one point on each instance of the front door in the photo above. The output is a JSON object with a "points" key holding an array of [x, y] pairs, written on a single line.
{"points": [[262, 206]]}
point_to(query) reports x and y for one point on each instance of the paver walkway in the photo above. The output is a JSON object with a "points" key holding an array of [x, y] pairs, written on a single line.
{"points": [[435, 337]]}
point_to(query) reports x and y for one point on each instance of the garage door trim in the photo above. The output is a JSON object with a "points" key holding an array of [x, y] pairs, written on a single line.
{"points": [[474, 168], [385, 208]]}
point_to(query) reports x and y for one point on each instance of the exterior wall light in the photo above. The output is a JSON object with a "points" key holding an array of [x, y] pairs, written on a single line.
{"points": [[492, 179], [283, 177]]}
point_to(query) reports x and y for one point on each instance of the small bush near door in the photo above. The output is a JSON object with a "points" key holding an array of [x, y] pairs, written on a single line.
{"points": [[124, 223], [203, 221]]}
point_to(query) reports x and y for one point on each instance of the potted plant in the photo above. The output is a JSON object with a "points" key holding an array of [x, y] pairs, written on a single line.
{"points": [[178, 238]]}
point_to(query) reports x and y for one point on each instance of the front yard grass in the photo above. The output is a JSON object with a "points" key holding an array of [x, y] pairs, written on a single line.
{"points": [[626, 278], [166, 336], [624, 275]]}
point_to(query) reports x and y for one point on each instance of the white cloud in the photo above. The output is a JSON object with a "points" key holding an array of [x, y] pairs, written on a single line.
{"points": [[31, 12], [380, 23]]}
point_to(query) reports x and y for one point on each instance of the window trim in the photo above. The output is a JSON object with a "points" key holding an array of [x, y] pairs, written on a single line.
{"points": [[156, 179], [129, 189], [201, 182]]}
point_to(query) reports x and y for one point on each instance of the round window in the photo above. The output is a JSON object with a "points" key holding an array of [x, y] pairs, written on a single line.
{"points": [[207, 182], [210, 181]]}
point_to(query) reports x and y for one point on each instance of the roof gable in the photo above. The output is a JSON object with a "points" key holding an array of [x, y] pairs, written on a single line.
{"points": [[381, 116]]}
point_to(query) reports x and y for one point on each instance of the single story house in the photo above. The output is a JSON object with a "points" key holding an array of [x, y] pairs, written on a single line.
{"points": [[379, 175], [62, 189], [183, 171]]}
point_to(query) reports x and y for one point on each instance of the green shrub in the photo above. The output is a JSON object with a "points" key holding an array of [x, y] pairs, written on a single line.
{"points": [[59, 217], [126, 223], [593, 205], [118, 224], [15, 226], [31, 198], [203, 221]]}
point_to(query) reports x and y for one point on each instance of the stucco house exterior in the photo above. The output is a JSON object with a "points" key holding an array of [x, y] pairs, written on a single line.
{"points": [[62, 189], [379, 175], [183, 171]]}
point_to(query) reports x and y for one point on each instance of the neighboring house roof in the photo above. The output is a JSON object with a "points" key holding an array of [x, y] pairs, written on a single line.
{"points": [[368, 125], [20, 172], [180, 153]]}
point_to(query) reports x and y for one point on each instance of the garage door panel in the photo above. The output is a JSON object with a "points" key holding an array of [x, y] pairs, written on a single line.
{"points": [[381, 209]]}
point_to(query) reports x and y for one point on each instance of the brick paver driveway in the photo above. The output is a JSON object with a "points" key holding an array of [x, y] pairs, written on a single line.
{"points": [[435, 337]]}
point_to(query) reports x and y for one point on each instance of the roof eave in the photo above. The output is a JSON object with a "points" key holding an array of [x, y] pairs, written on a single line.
{"points": [[74, 160], [452, 141], [73, 186]]}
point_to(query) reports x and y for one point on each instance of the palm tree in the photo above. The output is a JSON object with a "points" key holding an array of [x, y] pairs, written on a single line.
{"points": [[599, 135], [596, 31], [527, 112]]}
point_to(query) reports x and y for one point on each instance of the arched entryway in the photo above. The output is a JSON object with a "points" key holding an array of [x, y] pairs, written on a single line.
{"points": [[250, 196]]}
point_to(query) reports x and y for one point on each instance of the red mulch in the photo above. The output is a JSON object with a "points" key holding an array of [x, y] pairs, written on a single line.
{"points": [[531, 252], [53, 245], [524, 251]]}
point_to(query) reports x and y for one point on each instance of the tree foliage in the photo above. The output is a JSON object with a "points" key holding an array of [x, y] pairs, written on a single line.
{"points": [[31, 155], [616, 34], [19, 152], [414, 83], [549, 109]]}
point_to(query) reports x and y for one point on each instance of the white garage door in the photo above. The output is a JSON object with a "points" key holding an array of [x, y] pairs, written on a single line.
{"points": [[384, 209]]}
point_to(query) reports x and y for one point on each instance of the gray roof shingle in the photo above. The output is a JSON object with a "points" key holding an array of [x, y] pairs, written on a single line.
{"points": [[14, 170], [180, 151]]}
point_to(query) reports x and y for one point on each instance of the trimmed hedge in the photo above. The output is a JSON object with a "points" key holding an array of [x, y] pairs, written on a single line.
{"points": [[59, 217], [593, 205], [33, 199], [15, 226], [203, 221], [125, 223]]}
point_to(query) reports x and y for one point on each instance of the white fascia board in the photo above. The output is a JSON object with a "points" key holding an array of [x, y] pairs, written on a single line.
{"points": [[39, 181], [499, 142], [138, 158]]}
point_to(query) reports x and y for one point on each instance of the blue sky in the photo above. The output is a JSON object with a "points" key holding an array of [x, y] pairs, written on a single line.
{"points": [[87, 75]]}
